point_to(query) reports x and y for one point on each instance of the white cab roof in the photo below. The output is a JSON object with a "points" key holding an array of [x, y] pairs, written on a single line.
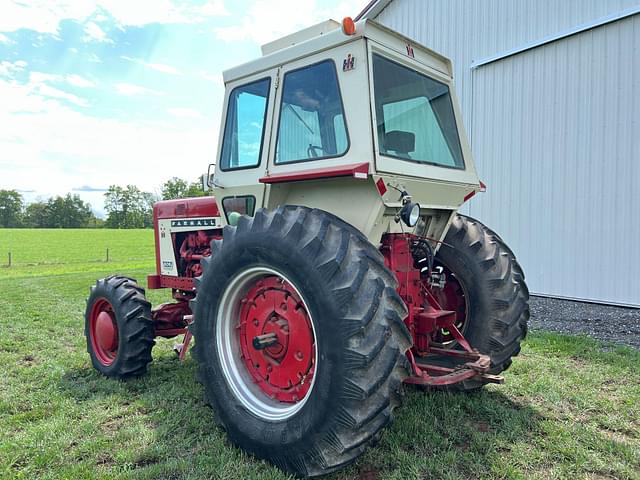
{"points": [[327, 35]]}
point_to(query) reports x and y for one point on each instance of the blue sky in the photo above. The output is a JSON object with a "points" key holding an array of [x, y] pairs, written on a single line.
{"points": [[102, 92]]}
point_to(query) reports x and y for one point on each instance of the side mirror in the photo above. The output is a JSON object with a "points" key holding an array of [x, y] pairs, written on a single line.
{"points": [[208, 182]]}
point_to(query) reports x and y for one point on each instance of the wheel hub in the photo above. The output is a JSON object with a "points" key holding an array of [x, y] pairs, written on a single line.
{"points": [[106, 333], [103, 332], [276, 339]]}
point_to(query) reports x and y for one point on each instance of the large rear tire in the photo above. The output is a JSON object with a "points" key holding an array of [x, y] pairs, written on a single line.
{"points": [[118, 327], [303, 277], [487, 291]]}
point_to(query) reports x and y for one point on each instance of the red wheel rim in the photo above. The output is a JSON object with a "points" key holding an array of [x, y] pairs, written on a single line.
{"points": [[103, 332], [277, 340], [451, 297]]}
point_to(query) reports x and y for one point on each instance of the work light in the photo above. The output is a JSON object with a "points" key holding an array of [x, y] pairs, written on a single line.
{"points": [[410, 213]]}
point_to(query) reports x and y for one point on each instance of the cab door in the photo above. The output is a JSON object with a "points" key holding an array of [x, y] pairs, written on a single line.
{"points": [[243, 146]]}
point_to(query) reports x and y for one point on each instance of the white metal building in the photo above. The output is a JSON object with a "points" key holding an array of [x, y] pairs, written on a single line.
{"points": [[550, 92]]}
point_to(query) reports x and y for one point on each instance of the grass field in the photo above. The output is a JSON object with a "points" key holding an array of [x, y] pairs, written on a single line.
{"points": [[54, 251], [570, 407]]}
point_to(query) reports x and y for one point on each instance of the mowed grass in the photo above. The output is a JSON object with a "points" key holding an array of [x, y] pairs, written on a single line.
{"points": [[570, 407], [52, 251]]}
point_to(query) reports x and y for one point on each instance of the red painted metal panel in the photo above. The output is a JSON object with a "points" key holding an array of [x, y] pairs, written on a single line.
{"points": [[153, 282], [186, 208], [167, 281], [181, 208], [359, 170]]}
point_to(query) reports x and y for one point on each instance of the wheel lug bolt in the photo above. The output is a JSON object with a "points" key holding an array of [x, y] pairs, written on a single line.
{"points": [[299, 355], [269, 368], [256, 323]]}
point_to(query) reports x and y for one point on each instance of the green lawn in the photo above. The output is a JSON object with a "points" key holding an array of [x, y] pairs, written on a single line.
{"points": [[570, 407], [51, 251]]}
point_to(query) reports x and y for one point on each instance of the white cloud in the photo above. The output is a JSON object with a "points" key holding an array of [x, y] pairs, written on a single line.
{"points": [[213, 77], [93, 58], [56, 148], [38, 85], [129, 89], [45, 15], [7, 69], [36, 78], [160, 67], [78, 81], [184, 112], [142, 12], [93, 32], [6, 40], [267, 21], [37, 89], [52, 92]]}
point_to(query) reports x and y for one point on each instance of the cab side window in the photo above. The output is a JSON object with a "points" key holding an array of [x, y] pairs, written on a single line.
{"points": [[312, 124], [244, 126]]}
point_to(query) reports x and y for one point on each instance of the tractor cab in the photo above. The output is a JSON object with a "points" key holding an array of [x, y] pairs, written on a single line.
{"points": [[339, 116]]}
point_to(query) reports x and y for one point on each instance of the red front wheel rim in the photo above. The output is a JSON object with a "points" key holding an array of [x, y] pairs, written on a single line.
{"points": [[103, 332]]}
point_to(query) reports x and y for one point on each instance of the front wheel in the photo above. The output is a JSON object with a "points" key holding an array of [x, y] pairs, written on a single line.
{"points": [[485, 287], [300, 338], [118, 327]]}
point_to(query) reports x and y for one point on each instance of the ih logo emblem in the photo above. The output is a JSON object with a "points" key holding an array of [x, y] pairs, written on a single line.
{"points": [[410, 51], [348, 63]]}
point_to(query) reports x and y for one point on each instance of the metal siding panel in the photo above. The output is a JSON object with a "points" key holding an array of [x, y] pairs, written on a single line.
{"points": [[554, 132], [581, 163]]}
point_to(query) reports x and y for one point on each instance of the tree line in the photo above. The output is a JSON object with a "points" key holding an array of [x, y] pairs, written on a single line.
{"points": [[125, 207]]}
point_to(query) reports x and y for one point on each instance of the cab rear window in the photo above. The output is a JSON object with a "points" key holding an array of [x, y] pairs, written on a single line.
{"points": [[415, 119]]}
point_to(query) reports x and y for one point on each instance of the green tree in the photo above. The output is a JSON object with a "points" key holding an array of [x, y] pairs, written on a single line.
{"points": [[128, 207], [35, 215], [69, 211], [11, 207], [179, 188]]}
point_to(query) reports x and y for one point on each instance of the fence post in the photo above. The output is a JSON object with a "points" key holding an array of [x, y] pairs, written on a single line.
{"points": [[9, 260], [107, 255]]}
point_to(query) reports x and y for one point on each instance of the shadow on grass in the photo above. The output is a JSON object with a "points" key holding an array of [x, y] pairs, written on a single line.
{"points": [[435, 434], [453, 435]]}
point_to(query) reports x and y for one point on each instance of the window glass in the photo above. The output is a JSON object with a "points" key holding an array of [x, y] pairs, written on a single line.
{"points": [[244, 205], [312, 122], [415, 119], [244, 126]]}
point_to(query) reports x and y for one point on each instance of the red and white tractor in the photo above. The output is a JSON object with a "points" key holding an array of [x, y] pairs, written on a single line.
{"points": [[332, 266]]}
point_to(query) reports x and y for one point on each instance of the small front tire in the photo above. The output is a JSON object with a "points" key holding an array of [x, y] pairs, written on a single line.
{"points": [[118, 327]]}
